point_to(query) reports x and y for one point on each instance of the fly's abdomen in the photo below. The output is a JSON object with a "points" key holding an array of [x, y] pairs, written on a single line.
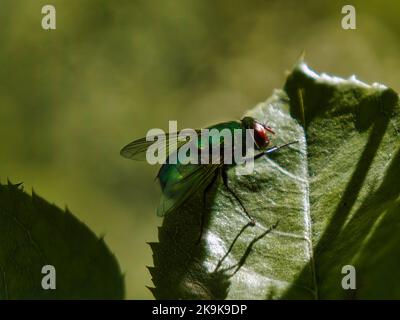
{"points": [[171, 176]]}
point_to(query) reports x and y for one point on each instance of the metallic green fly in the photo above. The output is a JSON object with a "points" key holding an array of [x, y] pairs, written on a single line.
{"points": [[179, 182]]}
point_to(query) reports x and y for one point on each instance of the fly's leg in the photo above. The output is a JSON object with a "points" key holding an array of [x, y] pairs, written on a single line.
{"points": [[273, 149], [204, 212], [225, 180]]}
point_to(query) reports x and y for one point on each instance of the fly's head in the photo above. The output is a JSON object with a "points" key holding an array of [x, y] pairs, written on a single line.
{"points": [[261, 132]]}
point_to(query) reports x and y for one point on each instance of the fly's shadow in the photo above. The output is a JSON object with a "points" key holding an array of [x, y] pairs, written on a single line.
{"points": [[218, 281], [245, 255], [181, 268]]}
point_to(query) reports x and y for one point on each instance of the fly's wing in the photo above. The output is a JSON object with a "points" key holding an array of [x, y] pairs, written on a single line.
{"points": [[167, 143], [191, 182]]}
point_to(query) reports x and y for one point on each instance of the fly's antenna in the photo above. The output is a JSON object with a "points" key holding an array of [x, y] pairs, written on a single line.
{"points": [[273, 149], [277, 148]]}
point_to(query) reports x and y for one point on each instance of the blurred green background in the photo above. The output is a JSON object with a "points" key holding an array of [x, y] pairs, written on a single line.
{"points": [[72, 97]]}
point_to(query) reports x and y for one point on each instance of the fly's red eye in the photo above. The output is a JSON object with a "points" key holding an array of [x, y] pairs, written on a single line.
{"points": [[260, 135]]}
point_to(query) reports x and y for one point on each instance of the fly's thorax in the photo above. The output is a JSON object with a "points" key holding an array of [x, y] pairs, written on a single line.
{"points": [[215, 143], [171, 178], [228, 143]]}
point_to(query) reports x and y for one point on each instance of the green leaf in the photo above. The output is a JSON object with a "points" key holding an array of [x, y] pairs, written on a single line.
{"points": [[34, 233], [329, 201]]}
